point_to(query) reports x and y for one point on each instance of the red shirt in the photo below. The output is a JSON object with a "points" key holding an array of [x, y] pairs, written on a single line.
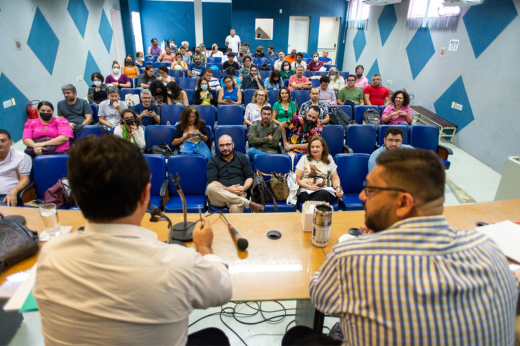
{"points": [[377, 95], [294, 79]]}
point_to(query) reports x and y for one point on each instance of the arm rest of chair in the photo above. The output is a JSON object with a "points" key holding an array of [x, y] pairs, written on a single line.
{"points": [[27, 194], [348, 149], [164, 187], [443, 151], [377, 146]]}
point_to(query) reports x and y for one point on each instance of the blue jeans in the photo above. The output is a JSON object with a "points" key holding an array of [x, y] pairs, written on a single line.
{"points": [[405, 124], [253, 151], [1, 199]]}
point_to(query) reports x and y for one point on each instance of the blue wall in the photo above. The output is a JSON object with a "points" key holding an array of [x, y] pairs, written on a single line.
{"points": [[244, 13], [126, 21], [216, 23]]}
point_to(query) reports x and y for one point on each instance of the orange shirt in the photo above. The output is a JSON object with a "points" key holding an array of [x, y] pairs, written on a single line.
{"points": [[290, 59], [131, 72]]}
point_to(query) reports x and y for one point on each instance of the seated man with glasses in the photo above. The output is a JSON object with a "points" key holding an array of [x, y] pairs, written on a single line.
{"points": [[147, 112], [393, 140], [229, 177], [413, 278]]}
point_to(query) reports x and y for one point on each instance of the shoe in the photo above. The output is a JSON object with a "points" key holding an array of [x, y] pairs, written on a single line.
{"points": [[257, 208]]}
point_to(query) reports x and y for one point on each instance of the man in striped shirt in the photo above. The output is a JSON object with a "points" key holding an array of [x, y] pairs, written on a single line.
{"points": [[415, 280]]}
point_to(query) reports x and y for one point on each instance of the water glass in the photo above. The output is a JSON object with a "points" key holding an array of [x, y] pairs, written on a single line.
{"points": [[51, 221]]}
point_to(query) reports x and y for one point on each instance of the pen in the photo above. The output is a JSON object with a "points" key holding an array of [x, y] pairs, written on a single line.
{"points": [[200, 216]]}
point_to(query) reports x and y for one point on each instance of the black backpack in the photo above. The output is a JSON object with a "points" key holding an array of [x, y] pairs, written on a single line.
{"points": [[161, 149], [261, 193], [371, 117], [339, 117], [264, 67]]}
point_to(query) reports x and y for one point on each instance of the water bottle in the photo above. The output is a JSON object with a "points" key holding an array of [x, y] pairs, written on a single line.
{"points": [[322, 222]]}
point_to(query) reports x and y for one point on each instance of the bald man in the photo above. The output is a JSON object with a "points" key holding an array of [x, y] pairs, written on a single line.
{"points": [[229, 177]]}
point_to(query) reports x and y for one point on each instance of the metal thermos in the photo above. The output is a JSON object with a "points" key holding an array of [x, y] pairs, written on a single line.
{"points": [[322, 221]]}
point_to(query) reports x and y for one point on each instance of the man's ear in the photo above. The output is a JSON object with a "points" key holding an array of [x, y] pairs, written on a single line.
{"points": [[405, 205]]}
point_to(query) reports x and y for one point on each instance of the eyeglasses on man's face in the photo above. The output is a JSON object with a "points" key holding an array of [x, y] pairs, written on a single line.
{"points": [[396, 141], [224, 145], [368, 189]]}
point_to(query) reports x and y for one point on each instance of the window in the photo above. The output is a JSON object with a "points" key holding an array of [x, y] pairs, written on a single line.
{"points": [[138, 37], [357, 14], [263, 29], [431, 13]]}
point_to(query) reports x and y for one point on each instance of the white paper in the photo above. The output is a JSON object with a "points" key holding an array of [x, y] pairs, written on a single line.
{"points": [[346, 237], [454, 45], [507, 236], [514, 267], [18, 299], [329, 189]]}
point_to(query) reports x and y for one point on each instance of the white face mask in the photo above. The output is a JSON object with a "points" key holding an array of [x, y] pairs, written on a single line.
{"points": [[116, 71], [140, 59], [316, 59], [286, 68], [97, 83], [169, 92], [333, 77]]}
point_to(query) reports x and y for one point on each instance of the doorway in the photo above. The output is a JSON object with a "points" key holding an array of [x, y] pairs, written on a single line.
{"points": [[328, 36], [298, 34]]}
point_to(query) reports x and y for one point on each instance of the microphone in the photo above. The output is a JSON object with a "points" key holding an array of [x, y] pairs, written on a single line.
{"points": [[242, 243], [156, 216]]}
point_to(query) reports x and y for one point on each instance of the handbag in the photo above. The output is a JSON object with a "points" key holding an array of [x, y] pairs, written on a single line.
{"points": [[17, 242], [59, 193], [261, 192], [161, 149], [279, 186], [46, 150]]}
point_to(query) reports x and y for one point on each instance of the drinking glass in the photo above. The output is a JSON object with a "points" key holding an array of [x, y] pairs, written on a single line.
{"points": [[51, 221]]}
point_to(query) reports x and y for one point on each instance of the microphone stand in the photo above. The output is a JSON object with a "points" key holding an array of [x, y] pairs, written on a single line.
{"points": [[182, 230], [156, 216]]}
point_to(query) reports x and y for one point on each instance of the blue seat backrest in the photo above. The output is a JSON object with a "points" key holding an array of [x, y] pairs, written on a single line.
{"points": [[333, 135], [328, 67], [95, 111], [315, 83], [207, 112], [177, 74], [346, 108], [158, 134], [424, 137], [237, 132], [272, 96], [187, 83], [247, 96], [381, 131], [217, 64], [230, 114], [320, 73], [300, 96], [224, 73], [157, 64], [264, 75], [382, 109], [260, 61], [47, 169], [308, 74], [272, 61], [171, 113], [217, 74], [124, 91], [359, 110], [307, 60], [152, 58], [297, 159], [190, 93], [352, 171], [279, 163], [158, 170], [88, 130], [192, 173], [215, 59], [361, 138], [344, 74]]}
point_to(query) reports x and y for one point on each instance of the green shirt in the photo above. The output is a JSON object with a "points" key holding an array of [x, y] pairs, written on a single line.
{"points": [[283, 115], [287, 75], [259, 137], [355, 95]]}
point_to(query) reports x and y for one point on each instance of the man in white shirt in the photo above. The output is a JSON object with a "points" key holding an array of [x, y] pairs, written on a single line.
{"points": [[110, 109], [115, 283], [279, 62], [299, 62], [233, 41], [15, 168], [214, 52]]}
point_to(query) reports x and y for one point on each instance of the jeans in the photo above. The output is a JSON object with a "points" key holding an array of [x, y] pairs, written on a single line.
{"points": [[405, 124], [253, 151]]}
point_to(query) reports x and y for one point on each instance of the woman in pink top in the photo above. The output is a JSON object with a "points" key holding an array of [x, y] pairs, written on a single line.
{"points": [[166, 57], [57, 130], [361, 82], [315, 64], [398, 113]]}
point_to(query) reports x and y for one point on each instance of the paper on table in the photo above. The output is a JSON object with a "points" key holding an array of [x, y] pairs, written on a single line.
{"points": [[329, 189], [346, 237], [507, 236], [20, 296]]}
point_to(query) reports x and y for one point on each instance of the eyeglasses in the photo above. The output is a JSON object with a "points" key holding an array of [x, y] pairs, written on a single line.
{"points": [[223, 145], [366, 187], [396, 141], [260, 95]]}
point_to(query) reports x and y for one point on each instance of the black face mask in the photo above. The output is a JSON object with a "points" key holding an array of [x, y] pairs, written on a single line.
{"points": [[359, 75], [129, 62], [46, 116], [197, 52]]}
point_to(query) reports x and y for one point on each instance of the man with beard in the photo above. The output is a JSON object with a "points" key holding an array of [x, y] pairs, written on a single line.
{"points": [[229, 177], [393, 140], [376, 94], [302, 129], [315, 101], [77, 111], [416, 280]]}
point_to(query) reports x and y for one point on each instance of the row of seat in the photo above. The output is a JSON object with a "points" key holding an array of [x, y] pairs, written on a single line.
{"points": [[153, 59]]}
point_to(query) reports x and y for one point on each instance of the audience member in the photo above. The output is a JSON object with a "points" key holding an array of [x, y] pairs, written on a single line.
{"points": [[245, 70], [215, 53], [191, 134], [270, 52], [147, 113], [399, 112], [315, 102], [246, 46], [230, 71], [97, 92], [299, 62], [230, 176], [230, 94], [259, 52], [229, 50], [336, 81], [326, 60], [186, 55], [317, 175], [278, 63], [241, 55], [140, 59], [173, 47], [393, 140], [252, 114], [292, 57], [119, 277], [178, 63], [77, 111], [351, 93], [264, 135], [199, 53], [274, 82], [56, 130], [159, 93], [253, 81], [147, 77], [196, 69], [233, 41], [327, 95], [315, 64], [110, 110], [176, 95], [117, 79], [230, 62], [302, 129], [130, 129], [163, 73], [299, 81], [284, 109], [361, 81], [130, 69], [204, 94], [154, 49], [212, 81], [376, 94], [15, 169], [186, 46], [287, 72], [203, 53], [167, 56]]}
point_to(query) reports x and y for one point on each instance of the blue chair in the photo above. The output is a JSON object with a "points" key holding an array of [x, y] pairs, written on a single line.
{"points": [[171, 113], [427, 137], [217, 65], [346, 108], [141, 70], [187, 83], [272, 96], [352, 171], [280, 163], [159, 134], [224, 73], [320, 73], [344, 74], [361, 139], [382, 109], [177, 74], [95, 111], [215, 60], [157, 64], [189, 94], [237, 132], [231, 114], [297, 159], [192, 171], [88, 130], [328, 67], [207, 113], [260, 61], [308, 74], [333, 135], [286, 83], [272, 61], [315, 83], [300, 96], [152, 59], [247, 96], [359, 110], [47, 169], [125, 91], [264, 75], [307, 60], [217, 74], [305, 55], [159, 180], [381, 131]]}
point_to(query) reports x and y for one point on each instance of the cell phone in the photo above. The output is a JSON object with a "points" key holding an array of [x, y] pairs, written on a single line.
{"points": [[35, 203], [80, 229], [150, 109], [228, 98]]}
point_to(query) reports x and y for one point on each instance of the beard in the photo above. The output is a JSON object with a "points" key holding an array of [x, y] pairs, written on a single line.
{"points": [[309, 125], [379, 220]]}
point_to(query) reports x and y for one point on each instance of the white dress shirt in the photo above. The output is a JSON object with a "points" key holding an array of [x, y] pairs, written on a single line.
{"points": [[15, 164], [118, 285], [110, 113]]}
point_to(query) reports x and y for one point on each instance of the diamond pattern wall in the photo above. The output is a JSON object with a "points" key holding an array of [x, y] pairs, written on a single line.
{"points": [[79, 14], [420, 50], [359, 43], [90, 67], [373, 70], [105, 31], [455, 93], [386, 22], [43, 41], [13, 118]]}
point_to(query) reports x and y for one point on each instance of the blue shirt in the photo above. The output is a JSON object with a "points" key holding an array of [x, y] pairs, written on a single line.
{"points": [[237, 81], [197, 71], [326, 60], [145, 120], [375, 154], [270, 86]]}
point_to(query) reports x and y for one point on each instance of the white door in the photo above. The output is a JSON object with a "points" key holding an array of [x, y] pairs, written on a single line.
{"points": [[298, 34], [328, 36]]}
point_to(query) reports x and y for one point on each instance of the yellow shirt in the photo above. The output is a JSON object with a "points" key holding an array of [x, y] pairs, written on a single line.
{"points": [[205, 99]]}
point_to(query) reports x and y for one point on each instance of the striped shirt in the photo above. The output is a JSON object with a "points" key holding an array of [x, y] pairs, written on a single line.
{"points": [[419, 282]]}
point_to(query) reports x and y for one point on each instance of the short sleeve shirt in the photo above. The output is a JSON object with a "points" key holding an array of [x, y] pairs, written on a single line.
{"points": [[155, 51], [74, 113], [377, 95], [294, 79], [233, 43], [324, 110], [355, 95], [298, 133], [197, 70], [325, 60], [15, 164], [282, 114], [253, 113], [321, 171], [295, 64], [145, 120], [110, 113], [34, 128]]}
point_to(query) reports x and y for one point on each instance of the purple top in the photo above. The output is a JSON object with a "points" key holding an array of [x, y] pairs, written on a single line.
{"points": [[396, 119], [123, 79], [155, 51], [34, 129]]}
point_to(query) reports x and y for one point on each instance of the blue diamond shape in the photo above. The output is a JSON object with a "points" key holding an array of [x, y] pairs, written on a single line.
{"points": [[386, 22], [13, 118], [105, 31], [485, 22], [359, 43], [373, 70], [456, 92], [43, 41], [90, 68], [420, 50], [79, 13]]}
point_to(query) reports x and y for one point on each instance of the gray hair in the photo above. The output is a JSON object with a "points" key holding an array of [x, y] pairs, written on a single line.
{"points": [[243, 49], [187, 43], [69, 87], [333, 69], [145, 91], [112, 89]]}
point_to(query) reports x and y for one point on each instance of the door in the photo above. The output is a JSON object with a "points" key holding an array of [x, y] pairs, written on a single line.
{"points": [[298, 34], [328, 36]]}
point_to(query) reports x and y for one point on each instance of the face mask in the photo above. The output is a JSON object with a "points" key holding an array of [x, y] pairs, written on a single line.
{"points": [[128, 62], [140, 59], [286, 68], [97, 83], [46, 116], [204, 87], [116, 71], [359, 75], [197, 52], [170, 93], [332, 77], [316, 59]]}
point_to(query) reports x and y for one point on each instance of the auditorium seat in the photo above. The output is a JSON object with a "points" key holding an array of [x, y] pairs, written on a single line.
{"points": [[315, 83], [286, 83], [260, 61], [148, 59], [247, 96], [218, 75], [352, 172], [224, 73], [215, 60], [328, 67], [305, 55], [177, 74], [88, 130], [47, 169], [320, 73], [272, 96], [308, 74], [264, 75], [157, 64], [427, 137], [125, 91], [207, 113], [272, 61], [237, 132], [187, 83], [382, 109], [333, 135], [189, 95], [344, 74], [159, 180], [192, 173], [345, 108], [307, 60], [217, 65], [171, 113], [159, 134], [231, 114], [95, 111], [359, 110], [361, 139], [381, 131], [300, 96]]}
